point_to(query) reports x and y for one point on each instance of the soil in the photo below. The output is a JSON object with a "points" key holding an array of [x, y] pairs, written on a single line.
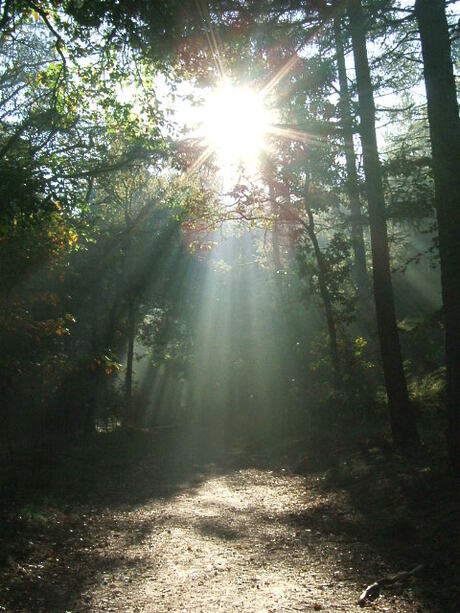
{"points": [[205, 536]]}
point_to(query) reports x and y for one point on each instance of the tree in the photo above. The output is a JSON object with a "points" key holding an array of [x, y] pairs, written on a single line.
{"points": [[352, 185], [445, 142], [401, 414]]}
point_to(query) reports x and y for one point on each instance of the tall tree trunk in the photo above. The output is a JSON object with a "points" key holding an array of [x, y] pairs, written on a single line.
{"points": [[402, 418], [325, 296], [352, 186], [323, 288], [445, 143]]}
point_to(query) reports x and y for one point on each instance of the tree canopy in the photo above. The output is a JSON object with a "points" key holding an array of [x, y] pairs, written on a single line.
{"points": [[161, 263]]}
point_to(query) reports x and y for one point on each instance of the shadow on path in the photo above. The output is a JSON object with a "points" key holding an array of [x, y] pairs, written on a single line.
{"points": [[144, 522]]}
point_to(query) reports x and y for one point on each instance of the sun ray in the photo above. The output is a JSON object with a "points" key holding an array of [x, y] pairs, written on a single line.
{"points": [[291, 134], [202, 158], [282, 72], [211, 36]]}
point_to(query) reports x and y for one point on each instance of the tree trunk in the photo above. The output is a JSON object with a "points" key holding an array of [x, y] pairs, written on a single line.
{"points": [[445, 143], [323, 289], [402, 418], [352, 185]]}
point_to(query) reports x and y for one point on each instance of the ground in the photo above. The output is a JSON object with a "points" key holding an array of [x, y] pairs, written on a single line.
{"points": [[234, 534]]}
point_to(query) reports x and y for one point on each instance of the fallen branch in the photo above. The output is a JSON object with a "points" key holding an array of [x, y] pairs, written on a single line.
{"points": [[373, 591]]}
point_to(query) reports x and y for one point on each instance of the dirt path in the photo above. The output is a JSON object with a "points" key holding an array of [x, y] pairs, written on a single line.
{"points": [[242, 540]]}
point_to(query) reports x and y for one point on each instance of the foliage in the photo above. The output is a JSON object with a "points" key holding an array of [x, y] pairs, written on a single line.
{"points": [[111, 236]]}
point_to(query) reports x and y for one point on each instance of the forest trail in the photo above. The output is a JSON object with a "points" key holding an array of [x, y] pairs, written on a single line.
{"points": [[244, 539]]}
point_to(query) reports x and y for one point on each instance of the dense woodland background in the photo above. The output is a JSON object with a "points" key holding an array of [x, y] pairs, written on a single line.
{"points": [[317, 300]]}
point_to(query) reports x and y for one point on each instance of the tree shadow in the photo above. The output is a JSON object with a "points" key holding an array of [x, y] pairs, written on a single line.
{"points": [[48, 561], [64, 586], [405, 512], [217, 529], [387, 515]]}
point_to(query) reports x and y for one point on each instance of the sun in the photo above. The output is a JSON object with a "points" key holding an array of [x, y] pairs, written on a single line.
{"points": [[235, 124]]}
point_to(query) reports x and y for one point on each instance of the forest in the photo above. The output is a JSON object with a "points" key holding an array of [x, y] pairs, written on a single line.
{"points": [[229, 305]]}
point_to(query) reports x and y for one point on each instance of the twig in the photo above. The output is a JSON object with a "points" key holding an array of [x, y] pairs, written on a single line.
{"points": [[373, 590]]}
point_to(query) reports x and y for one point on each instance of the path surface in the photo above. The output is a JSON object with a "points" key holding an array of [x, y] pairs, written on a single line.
{"points": [[243, 540]]}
